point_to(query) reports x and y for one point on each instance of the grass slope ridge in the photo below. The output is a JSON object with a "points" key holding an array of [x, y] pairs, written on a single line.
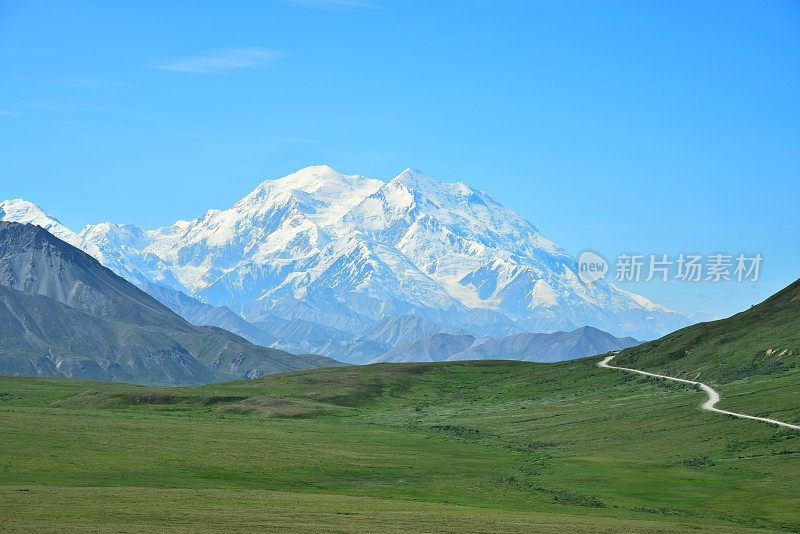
{"points": [[62, 313], [763, 340]]}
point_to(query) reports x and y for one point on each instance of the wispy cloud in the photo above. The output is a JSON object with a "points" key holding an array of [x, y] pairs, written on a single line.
{"points": [[222, 60], [333, 4], [7, 113]]}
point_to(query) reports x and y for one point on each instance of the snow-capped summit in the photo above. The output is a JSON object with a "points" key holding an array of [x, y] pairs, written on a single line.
{"points": [[346, 251], [114, 235], [321, 192], [420, 184], [22, 211]]}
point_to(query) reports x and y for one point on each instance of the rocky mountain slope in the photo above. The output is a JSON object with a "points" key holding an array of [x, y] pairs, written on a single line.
{"points": [[62, 313]]}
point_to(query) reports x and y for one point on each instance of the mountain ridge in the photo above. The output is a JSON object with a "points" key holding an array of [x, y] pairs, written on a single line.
{"points": [[532, 347], [348, 251], [63, 313]]}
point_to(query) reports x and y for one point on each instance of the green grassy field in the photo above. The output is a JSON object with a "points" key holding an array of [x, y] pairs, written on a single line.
{"points": [[473, 446]]}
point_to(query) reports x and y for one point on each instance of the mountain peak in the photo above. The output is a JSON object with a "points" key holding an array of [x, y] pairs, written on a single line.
{"points": [[411, 172], [314, 184], [117, 235], [355, 249], [19, 208], [23, 211], [644, 302], [415, 181], [413, 178], [318, 169], [312, 173], [314, 177]]}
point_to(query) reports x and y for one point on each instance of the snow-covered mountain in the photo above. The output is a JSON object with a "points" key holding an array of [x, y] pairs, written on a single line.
{"points": [[25, 212], [346, 253]]}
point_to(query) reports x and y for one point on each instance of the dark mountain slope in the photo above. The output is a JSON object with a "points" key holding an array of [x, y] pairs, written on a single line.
{"points": [[64, 314], [34, 261], [40, 336], [199, 313]]}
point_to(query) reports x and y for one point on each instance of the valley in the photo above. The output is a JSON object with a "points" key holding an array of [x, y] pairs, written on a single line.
{"points": [[487, 445], [494, 446]]}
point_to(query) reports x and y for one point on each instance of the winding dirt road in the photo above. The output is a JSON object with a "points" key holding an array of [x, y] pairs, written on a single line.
{"points": [[713, 396]]}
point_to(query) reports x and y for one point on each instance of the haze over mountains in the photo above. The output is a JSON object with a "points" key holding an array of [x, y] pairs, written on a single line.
{"points": [[64, 314], [353, 267], [552, 347]]}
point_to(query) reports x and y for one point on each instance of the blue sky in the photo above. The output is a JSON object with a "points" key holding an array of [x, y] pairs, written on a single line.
{"points": [[619, 126]]}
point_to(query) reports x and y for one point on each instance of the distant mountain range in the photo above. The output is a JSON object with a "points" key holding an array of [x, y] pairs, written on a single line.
{"points": [[404, 338], [553, 347], [64, 314], [352, 267]]}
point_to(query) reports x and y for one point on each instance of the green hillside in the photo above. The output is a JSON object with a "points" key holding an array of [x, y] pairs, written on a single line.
{"points": [[454, 447], [753, 357]]}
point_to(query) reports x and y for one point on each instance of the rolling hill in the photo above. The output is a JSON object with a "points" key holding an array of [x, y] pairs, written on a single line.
{"points": [[763, 340], [492, 446]]}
